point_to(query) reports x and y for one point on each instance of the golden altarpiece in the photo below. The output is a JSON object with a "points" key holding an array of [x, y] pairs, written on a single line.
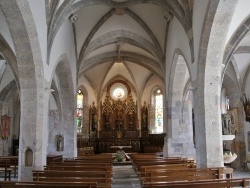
{"points": [[115, 123], [119, 120]]}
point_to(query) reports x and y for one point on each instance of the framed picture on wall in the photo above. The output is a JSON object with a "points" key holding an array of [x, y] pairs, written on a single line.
{"points": [[5, 127], [248, 140], [234, 120]]}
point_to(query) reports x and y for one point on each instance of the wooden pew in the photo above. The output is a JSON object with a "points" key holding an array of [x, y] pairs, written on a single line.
{"points": [[22, 184], [54, 158], [191, 174], [102, 178], [216, 183], [149, 168], [97, 158], [137, 165], [81, 163], [6, 168], [79, 168], [13, 163]]}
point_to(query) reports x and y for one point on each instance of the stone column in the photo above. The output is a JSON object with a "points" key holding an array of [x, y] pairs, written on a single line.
{"points": [[208, 129], [33, 132]]}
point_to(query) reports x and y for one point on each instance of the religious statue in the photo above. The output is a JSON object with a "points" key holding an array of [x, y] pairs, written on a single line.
{"points": [[144, 121], [59, 142], [246, 104], [227, 103], [226, 124], [94, 120]]}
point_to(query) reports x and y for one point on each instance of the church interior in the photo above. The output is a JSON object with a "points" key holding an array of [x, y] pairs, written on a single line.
{"points": [[87, 77]]}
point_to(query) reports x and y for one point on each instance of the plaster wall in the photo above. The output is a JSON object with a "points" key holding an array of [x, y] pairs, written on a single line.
{"points": [[7, 77], [241, 12], [121, 23], [91, 94], [175, 41], [149, 86], [63, 44], [199, 11], [5, 32]]}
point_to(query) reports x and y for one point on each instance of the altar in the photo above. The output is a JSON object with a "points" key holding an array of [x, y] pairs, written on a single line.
{"points": [[121, 155], [120, 147], [120, 123]]}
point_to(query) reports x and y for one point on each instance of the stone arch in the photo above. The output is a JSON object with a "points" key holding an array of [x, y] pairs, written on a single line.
{"points": [[28, 55], [235, 39], [67, 98], [55, 116], [126, 37], [207, 105], [176, 87], [179, 133], [10, 57], [104, 88], [55, 94], [126, 56], [5, 95], [8, 94], [245, 78]]}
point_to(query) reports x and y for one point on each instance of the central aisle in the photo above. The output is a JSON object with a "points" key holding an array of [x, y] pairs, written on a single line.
{"points": [[124, 176]]}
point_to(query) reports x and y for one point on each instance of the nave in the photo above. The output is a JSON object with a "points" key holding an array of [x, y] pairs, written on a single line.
{"points": [[124, 176], [137, 172]]}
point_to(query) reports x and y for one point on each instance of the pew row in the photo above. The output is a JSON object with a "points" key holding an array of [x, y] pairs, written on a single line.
{"points": [[167, 175], [215, 183], [102, 178], [143, 170], [22, 184]]}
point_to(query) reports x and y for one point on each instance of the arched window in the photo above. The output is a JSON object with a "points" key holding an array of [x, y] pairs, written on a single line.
{"points": [[158, 100], [79, 113]]}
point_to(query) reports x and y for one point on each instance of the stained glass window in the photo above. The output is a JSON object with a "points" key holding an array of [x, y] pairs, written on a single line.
{"points": [[158, 111], [79, 113], [118, 93]]}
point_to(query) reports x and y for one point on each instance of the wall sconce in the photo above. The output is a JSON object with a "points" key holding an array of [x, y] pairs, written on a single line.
{"points": [[73, 18], [246, 104]]}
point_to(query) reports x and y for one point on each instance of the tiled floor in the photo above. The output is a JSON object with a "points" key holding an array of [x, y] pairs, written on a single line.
{"points": [[125, 177], [241, 174]]}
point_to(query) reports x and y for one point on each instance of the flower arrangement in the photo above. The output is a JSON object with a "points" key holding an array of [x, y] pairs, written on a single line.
{"points": [[119, 156]]}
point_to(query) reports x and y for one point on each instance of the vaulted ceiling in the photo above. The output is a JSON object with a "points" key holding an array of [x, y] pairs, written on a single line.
{"points": [[121, 38]]}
